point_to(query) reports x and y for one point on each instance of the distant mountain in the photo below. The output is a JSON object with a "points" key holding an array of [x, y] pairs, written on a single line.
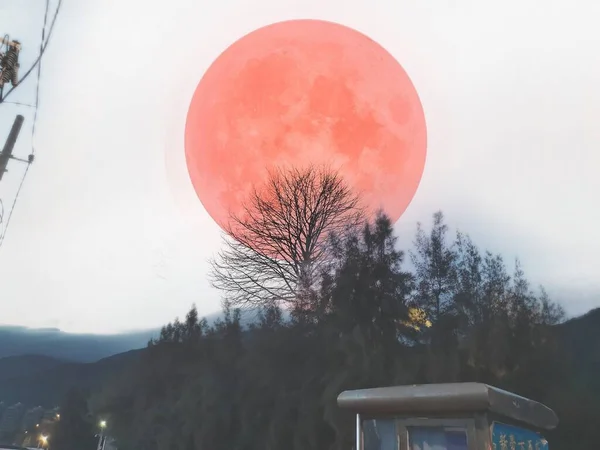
{"points": [[53, 343], [38, 366], [57, 344], [43, 380], [580, 330], [581, 336], [40, 380]]}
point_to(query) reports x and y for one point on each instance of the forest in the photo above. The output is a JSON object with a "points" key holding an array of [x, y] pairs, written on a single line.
{"points": [[339, 304]]}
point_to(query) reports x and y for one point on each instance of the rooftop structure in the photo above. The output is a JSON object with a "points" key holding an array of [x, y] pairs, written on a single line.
{"points": [[457, 416]]}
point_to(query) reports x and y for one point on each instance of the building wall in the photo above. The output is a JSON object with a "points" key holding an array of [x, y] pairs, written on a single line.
{"points": [[11, 420]]}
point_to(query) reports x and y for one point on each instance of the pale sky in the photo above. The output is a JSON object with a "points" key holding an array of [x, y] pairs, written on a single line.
{"points": [[108, 234]]}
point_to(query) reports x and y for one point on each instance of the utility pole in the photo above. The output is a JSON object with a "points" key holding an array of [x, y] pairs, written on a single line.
{"points": [[101, 436], [6, 154]]}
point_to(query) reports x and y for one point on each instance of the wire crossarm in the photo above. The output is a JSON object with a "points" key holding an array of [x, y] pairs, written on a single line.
{"points": [[9, 74]]}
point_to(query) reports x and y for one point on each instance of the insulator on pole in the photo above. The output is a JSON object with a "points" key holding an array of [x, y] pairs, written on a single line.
{"points": [[9, 63]]}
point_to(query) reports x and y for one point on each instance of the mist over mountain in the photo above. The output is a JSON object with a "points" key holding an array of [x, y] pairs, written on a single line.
{"points": [[59, 345], [85, 348]]}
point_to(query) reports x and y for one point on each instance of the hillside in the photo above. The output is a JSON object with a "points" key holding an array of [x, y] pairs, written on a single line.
{"points": [[43, 380], [17, 366], [57, 344], [583, 333], [581, 339], [40, 380]]}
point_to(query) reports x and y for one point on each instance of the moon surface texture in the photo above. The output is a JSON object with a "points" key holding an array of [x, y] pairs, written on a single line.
{"points": [[305, 92]]}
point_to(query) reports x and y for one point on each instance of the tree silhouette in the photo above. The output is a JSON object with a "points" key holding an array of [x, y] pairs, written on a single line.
{"points": [[74, 430], [274, 384], [275, 249]]}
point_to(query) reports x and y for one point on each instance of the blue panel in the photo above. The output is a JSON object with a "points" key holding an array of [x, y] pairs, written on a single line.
{"points": [[508, 437], [456, 440]]}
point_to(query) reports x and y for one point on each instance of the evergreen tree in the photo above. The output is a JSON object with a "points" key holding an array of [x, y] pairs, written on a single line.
{"points": [[274, 385], [435, 274]]}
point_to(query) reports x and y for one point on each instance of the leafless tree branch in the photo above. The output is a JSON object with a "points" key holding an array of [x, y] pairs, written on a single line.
{"points": [[277, 247]]}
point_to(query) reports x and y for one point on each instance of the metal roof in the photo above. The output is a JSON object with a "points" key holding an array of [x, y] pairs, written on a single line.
{"points": [[448, 398]]}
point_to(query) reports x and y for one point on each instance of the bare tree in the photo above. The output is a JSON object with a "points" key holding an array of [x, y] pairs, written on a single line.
{"points": [[274, 251]]}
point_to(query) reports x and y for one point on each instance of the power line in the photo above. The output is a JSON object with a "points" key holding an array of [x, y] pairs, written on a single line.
{"points": [[38, 63], [12, 207], [20, 104], [39, 71]]}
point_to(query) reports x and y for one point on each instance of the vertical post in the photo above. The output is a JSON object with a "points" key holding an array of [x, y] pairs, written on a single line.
{"points": [[10, 144], [359, 440], [100, 438]]}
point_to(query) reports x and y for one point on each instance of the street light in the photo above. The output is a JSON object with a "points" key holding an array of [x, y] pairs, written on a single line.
{"points": [[101, 438]]}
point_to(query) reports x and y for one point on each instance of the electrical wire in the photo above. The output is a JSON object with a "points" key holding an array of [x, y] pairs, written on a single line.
{"points": [[12, 207], [39, 71], [38, 64], [1, 219], [20, 104]]}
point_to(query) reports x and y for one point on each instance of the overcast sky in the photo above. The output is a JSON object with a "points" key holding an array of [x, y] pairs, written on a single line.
{"points": [[108, 234]]}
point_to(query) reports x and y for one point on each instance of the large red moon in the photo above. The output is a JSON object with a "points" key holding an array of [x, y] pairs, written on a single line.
{"points": [[299, 92]]}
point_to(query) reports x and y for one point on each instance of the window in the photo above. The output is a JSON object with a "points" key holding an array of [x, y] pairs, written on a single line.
{"points": [[380, 434], [437, 438]]}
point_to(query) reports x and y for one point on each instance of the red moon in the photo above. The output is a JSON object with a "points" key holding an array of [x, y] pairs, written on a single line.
{"points": [[300, 92]]}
